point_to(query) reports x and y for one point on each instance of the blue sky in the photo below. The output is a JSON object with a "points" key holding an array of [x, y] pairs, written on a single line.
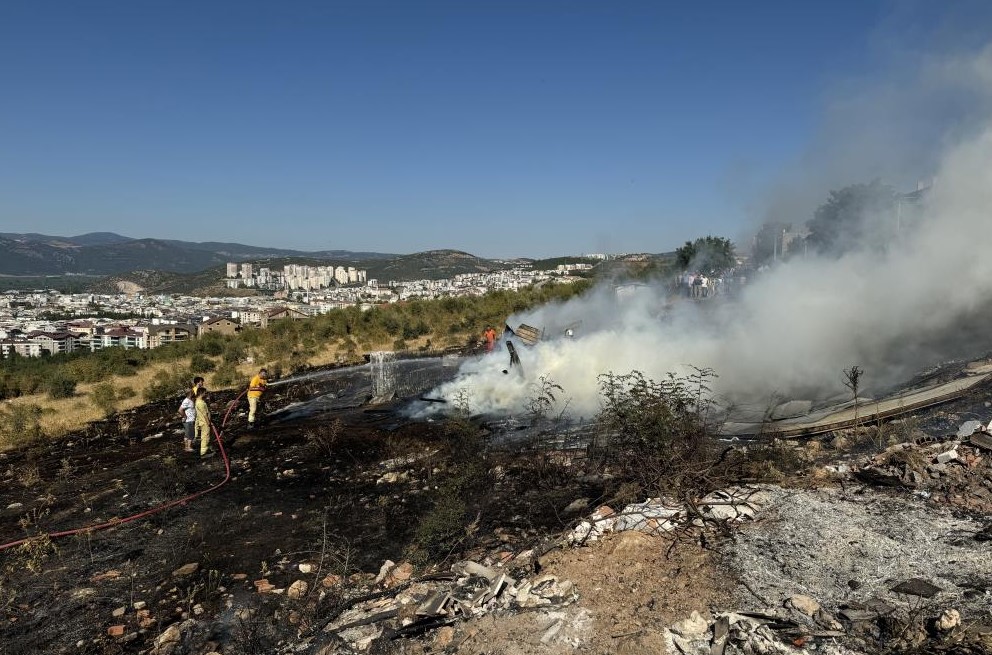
{"points": [[504, 129]]}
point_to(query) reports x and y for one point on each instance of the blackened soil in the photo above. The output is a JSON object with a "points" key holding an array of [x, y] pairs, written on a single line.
{"points": [[304, 490]]}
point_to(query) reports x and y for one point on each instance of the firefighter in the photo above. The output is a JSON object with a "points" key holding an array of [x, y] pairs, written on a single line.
{"points": [[256, 387]]}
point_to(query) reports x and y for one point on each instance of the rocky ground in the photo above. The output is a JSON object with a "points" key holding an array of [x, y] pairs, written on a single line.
{"points": [[348, 528]]}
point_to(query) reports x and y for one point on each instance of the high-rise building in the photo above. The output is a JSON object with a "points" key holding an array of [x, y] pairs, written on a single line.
{"points": [[232, 269]]}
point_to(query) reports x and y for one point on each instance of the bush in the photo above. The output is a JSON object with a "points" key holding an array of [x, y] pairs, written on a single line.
{"points": [[656, 431], [60, 385], [104, 396], [169, 385], [201, 363], [226, 375], [20, 424]]}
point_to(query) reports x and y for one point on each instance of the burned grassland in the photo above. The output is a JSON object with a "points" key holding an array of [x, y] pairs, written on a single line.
{"points": [[354, 528]]}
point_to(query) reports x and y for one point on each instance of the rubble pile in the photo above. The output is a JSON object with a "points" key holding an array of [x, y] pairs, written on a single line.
{"points": [[661, 515], [959, 469], [469, 590]]}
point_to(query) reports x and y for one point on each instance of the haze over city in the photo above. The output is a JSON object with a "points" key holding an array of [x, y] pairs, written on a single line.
{"points": [[502, 129]]}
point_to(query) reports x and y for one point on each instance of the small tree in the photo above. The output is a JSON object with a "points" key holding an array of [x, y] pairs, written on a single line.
{"points": [[852, 380], [60, 385], [104, 396]]}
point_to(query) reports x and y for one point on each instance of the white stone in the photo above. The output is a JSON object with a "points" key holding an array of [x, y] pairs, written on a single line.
{"points": [[804, 604], [949, 619], [694, 626], [298, 589]]}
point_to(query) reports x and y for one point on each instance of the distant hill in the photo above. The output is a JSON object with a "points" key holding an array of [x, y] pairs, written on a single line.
{"points": [[431, 265], [106, 253]]}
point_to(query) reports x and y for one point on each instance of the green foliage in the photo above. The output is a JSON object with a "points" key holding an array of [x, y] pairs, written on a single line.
{"points": [[849, 218], [655, 431], [707, 254], [20, 424], [226, 375], [201, 363], [104, 396], [169, 385], [211, 344], [234, 351], [60, 385]]}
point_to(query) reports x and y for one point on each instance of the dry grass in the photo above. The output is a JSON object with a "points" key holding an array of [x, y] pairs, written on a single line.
{"points": [[63, 415]]}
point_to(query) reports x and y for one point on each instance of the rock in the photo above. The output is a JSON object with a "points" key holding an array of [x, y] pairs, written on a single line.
{"points": [[917, 587], [981, 440], [306, 567], [399, 574], [167, 642], [552, 631], [948, 620], [298, 589], [949, 456], [444, 637], [384, 570], [185, 570], [115, 630], [263, 586], [694, 626], [330, 580], [15, 506], [968, 428], [804, 604], [576, 506], [139, 605], [119, 612]]}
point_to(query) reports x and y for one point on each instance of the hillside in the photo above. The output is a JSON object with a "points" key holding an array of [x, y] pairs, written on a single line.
{"points": [[106, 253], [432, 265]]}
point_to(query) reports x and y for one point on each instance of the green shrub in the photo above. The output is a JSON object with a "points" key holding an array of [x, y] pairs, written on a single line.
{"points": [[104, 396], [60, 385], [201, 363], [173, 384], [226, 375], [20, 424]]}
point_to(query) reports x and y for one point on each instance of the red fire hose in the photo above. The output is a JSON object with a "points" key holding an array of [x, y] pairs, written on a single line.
{"points": [[155, 510]]}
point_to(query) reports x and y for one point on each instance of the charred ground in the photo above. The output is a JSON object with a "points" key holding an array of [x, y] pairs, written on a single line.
{"points": [[335, 485]]}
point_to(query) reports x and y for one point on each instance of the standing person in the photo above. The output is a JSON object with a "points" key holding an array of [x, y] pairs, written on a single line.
{"points": [[490, 336], [256, 387], [187, 410], [203, 422]]}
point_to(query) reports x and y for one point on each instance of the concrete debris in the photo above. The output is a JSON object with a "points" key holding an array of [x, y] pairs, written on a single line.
{"points": [[473, 589], [968, 428], [981, 439], [660, 515], [744, 633]]}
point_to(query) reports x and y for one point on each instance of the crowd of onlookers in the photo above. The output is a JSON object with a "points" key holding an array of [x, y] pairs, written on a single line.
{"points": [[700, 285]]}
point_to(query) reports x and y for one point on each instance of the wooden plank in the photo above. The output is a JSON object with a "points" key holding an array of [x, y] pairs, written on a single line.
{"points": [[528, 334]]}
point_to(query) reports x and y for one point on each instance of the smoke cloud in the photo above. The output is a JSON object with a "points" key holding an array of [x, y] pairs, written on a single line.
{"points": [[923, 298]]}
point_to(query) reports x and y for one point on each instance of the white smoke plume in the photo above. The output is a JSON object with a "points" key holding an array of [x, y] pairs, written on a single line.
{"points": [[922, 299]]}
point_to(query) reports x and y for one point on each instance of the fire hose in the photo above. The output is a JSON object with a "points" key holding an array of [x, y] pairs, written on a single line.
{"points": [[112, 523]]}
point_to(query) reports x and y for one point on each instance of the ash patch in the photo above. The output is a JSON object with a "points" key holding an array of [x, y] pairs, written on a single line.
{"points": [[849, 550]]}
